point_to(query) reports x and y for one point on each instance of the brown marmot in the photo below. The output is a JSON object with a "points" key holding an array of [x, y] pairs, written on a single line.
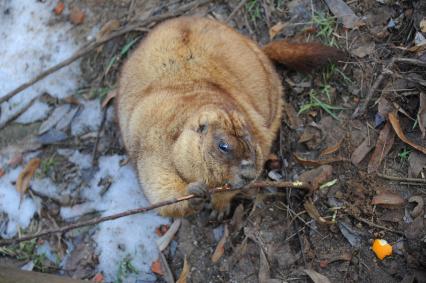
{"points": [[199, 105]]}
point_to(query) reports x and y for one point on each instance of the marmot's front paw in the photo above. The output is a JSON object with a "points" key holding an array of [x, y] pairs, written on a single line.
{"points": [[199, 189]]}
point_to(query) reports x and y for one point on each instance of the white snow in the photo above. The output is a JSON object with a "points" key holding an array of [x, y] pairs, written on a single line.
{"points": [[19, 214], [32, 40], [88, 120], [38, 111], [132, 236]]}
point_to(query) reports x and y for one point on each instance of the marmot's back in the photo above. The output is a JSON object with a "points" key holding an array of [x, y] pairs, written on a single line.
{"points": [[191, 50]]}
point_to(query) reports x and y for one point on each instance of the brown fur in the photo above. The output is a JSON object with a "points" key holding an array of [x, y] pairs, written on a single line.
{"points": [[190, 84]]}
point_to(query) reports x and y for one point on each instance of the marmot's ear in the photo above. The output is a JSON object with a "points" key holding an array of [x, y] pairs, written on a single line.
{"points": [[202, 128]]}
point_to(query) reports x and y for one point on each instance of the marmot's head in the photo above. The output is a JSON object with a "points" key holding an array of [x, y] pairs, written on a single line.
{"points": [[218, 147]]}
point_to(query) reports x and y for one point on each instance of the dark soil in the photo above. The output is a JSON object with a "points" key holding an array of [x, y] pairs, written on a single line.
{"points": [[276, 235]]}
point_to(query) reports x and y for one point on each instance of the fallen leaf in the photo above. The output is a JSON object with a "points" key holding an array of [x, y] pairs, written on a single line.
{"points": [[343, 12], [383, 146], [59, 8], [220, 248], [77, 16], [112, 94], [25, 176], [310, 162], [350, 234], [57, 114], [107, 28], [388, 199], [417, 162], [423, 25], [361, 151], [1, 172], [290, 116], [418, 210], [275, 29], [264, 270], [237, 219], [393, 119], [364, 50], [98, 278], [317, 277], [161, 230], [384, 107], [345, 256], [185, 272], [421, 114], [317, 176], [331, 149], [314, 213], [328, 184], [157, 268]]}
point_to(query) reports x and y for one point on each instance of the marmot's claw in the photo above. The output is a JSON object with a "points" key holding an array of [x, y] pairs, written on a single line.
{"points": [[216, 215], [201, 191]]}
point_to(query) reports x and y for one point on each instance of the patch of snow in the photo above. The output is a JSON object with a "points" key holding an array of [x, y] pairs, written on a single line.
{"points": [[32, 40], [87, 120], [132, 236], [19, 213], [46, 250], [83, 161], [38, 111]]}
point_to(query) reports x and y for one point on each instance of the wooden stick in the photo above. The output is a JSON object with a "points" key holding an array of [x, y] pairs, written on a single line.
{"points": [[139, 26], [402, 179], [97, 220]]}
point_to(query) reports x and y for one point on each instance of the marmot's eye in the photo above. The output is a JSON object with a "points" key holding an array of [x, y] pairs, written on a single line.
{"points": [[224, 147]]}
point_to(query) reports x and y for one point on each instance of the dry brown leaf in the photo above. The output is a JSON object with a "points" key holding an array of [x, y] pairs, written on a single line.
{"points": [[25, 176], [107, 28], [423, 25], [419, 208], [384, 107], [317, 277], [1, 172], [157, 268], [112, 94], [275, 29], [383, 146], [393, 119], [290, 116], [264, 271], [59, 8], [417, 162], [421, 114], [388, 199], [331, 149], [220, 248], [361, 151], [344, 13], [317, 176], [364, 50], [185, 272], [77, 16], [310, 162], [314, 213]]}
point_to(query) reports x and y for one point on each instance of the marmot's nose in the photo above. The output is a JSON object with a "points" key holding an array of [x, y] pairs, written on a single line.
{"points": [[247, 170]]}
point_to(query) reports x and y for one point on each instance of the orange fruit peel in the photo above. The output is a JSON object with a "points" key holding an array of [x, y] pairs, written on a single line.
{"points": [[381, 248]]}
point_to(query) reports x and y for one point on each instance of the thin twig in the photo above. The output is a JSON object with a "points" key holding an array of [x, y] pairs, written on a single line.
{"points": [[401, 179], [94, 44], [372, 224], [410, 61], [97, 220], [234, 12]]}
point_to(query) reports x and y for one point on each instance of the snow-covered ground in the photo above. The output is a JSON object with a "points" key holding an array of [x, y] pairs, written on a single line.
{"points": [[31, 40]]}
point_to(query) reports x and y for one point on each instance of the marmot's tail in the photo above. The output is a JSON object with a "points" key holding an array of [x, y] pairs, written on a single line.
{"points": [[302, 56]]}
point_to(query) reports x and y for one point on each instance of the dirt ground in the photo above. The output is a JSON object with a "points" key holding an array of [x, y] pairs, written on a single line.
{"points": [[370, 182]]}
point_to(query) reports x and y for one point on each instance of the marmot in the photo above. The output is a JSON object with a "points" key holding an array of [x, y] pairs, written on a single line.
{"points": [[199, 106]]}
